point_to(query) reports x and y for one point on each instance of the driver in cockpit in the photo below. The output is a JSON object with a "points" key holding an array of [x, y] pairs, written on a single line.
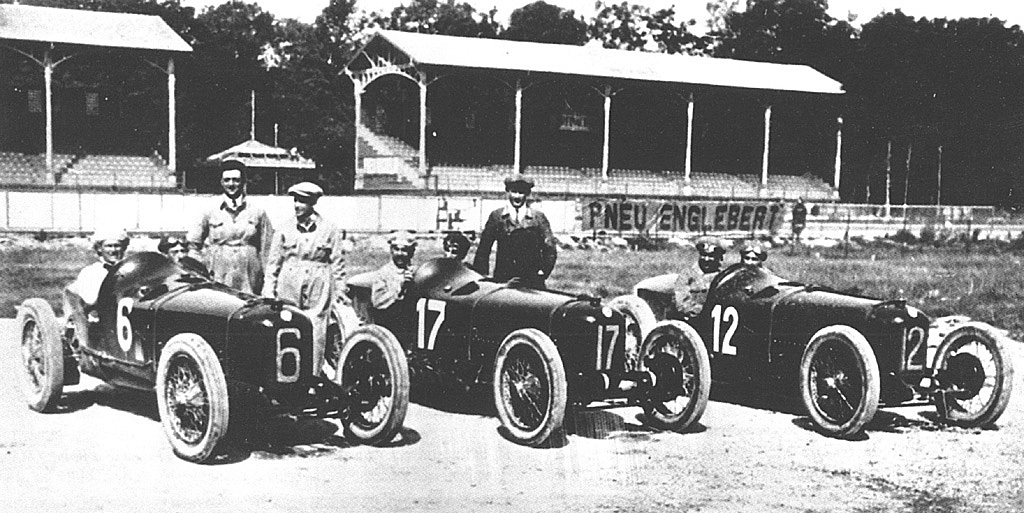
{"points": [[456, 245], [110, 247], [176, 249], [691, 287], [393, 279]]}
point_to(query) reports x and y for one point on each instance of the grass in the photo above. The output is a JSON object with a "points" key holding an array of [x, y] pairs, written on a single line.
{"points": [[986, 284]]}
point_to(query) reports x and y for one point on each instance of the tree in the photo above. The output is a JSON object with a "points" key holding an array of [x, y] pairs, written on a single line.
{"points": [[634, 27], [790, 32], [541, 22], [431, 17]]}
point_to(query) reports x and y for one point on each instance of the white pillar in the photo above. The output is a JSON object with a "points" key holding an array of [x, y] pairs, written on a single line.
{"points": [[689, 143], [423, 124], [172, 127], [888, 177], [357, 93], [252, 114], [517, 163], [938, 185], [764, 155], [48, 86], [906, 177], [607, 126], [839, 153]]}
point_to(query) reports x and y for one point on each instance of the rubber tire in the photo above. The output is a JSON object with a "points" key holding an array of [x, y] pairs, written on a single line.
{"points": [[990, 338], [632, 306], [42, 395], [870, 388], [700, 367], [194, 349], [545, 352], [385, 342]]}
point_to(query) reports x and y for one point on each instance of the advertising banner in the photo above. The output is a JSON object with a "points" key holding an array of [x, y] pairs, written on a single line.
{"points": [[661, 216]]}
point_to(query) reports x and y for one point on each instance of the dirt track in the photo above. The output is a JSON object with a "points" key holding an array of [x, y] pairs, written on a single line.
{"points": [[106, 452]]}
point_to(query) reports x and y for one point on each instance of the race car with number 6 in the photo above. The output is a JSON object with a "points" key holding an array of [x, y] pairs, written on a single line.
{"points": [[540, 350], [843, 355], [202, 346]]}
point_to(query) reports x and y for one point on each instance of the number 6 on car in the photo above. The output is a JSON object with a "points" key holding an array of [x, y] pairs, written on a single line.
{"points": [[157, 327]]}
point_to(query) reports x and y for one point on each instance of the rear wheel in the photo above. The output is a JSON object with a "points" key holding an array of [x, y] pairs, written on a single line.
{"points": [[529, 386], [676, 357], [839, 381], [640, 321], [42, 355], [192, 397], [373, 367], [975, 376]]}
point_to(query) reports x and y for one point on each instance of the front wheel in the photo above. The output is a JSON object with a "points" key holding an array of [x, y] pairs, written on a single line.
{"points": [[975, 376], [640, 321], [675, 356], [529, 386], [192, 397], [42, 355], [372, 366], [839, 381]]}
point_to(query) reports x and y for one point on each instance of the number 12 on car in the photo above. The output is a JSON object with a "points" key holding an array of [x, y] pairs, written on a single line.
{"points": [[731, 319]]}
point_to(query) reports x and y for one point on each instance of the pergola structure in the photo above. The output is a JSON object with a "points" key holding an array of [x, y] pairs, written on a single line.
{"points": [[264, 157], [50, 36], [424, 58]]}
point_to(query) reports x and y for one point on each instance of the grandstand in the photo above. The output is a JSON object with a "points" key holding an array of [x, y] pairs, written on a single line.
{"points": [[89, 172], [449, 115], [389, 165]]}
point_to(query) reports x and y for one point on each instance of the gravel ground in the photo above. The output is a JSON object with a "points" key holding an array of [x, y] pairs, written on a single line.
{"points": [[105, 451]]}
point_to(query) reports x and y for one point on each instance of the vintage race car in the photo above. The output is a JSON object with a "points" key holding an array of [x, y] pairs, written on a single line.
{"points": [[540, 351], [844, 356], [201, 345]]}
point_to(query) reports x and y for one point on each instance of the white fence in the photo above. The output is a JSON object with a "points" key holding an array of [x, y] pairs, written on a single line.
{"points": [[71, 212], [154, 213]]}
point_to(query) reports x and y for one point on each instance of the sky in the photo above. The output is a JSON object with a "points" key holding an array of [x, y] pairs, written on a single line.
{"points": [[1011, 11]]}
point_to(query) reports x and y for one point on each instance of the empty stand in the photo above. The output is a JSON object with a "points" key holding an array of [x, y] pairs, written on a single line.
{"points": [[128, 172]]}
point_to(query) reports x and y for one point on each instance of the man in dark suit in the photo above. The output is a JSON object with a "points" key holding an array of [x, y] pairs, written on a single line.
{"points": [[526, 250]]}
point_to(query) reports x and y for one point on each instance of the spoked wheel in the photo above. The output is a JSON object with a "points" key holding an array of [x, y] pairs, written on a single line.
{"points": [[372, 366], [676, 357], [529, 386], [192, 396], [975, 376], [42, 355], [640, 321], [839, 381]]}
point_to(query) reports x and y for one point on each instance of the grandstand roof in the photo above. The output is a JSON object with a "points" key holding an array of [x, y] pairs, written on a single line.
{"points": [[255, 154], [438, 50], [88, 28]]}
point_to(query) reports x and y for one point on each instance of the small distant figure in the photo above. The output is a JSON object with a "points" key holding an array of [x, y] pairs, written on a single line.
{"points": [[799, 218], [456, 245], [753, 254], [393, 279], [526, 248]]}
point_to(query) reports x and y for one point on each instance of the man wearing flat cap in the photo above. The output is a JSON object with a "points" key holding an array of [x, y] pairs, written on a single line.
{"points": [[691, 287], [392, 281], [233, 236], [307, 266], [526, 250]]}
